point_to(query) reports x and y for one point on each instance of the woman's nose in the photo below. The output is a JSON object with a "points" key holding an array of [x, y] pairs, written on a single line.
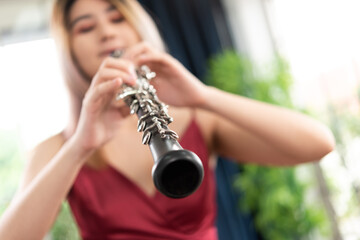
{"points": [[106, 31]]}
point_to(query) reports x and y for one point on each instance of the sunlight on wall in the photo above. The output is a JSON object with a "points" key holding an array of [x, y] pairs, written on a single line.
{"points": [[33, 98], [321, 40]]}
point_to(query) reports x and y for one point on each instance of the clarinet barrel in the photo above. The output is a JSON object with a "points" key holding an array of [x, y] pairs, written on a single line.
{"points": [[177, 172]]}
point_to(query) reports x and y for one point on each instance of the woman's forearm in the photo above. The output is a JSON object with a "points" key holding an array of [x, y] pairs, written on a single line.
{"points": [[31, 213], [294, 134]]}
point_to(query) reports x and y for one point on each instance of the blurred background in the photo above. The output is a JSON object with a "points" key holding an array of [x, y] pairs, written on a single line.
{"points": [[301, 54]]}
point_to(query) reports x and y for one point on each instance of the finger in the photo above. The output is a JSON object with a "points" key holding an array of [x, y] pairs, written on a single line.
{"points": [[120, 64], [137, 50], [103, 91], [109, 74], [149, 59], [124, 110]]}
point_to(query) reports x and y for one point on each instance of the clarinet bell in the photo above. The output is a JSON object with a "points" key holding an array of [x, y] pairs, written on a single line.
{"points": [[178, 173]]}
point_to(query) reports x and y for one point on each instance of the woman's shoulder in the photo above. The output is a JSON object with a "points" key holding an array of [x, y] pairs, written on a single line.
{"points": [[186, 113], [205, 121], [183, 116]]}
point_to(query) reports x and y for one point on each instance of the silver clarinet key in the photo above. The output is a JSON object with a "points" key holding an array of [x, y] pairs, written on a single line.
{"points": [[143, 97]]}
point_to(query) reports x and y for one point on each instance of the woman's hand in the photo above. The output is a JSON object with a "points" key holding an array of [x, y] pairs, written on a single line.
{"points": [[101, 115], [174, 84]]}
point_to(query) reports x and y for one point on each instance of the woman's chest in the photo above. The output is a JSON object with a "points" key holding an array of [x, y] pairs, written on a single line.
{"points": [[131, 159]]}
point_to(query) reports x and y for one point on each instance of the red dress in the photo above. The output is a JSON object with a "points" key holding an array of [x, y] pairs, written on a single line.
{"points": [[108, 205]]}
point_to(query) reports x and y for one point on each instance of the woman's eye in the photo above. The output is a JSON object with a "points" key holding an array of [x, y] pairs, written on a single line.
{"points": [[118, 19], [85, 29]]}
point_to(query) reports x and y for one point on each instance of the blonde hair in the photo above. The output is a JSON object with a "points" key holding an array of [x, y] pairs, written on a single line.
{"points": [[76, 82]]}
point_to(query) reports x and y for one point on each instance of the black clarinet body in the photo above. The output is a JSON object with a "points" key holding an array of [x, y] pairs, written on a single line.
{"points": [[177, 172]]}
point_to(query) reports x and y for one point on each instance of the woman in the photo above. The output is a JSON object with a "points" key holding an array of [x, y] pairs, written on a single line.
{"points": [[98, 162]]}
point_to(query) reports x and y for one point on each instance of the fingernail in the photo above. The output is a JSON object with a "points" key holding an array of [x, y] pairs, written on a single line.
{"points": [[117, 80], [131, 79], [133, 72]]}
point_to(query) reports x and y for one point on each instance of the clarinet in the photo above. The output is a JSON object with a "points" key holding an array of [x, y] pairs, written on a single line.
{"points": [[177, 172]]}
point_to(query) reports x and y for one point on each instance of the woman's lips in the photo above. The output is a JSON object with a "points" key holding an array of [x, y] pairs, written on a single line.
{"points": [[108, 52]]}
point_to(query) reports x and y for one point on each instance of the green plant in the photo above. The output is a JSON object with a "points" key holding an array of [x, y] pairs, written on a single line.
{"points": [[274, 195], [345, 125], [11, 165], [65, 226]]}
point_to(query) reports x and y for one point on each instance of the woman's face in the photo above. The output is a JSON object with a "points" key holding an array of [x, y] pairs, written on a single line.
{"points": [[96, 30]]}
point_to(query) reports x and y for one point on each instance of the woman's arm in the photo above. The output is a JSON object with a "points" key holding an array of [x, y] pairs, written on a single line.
{"points": [[241, 128], [253, 131], [32, 211]]}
